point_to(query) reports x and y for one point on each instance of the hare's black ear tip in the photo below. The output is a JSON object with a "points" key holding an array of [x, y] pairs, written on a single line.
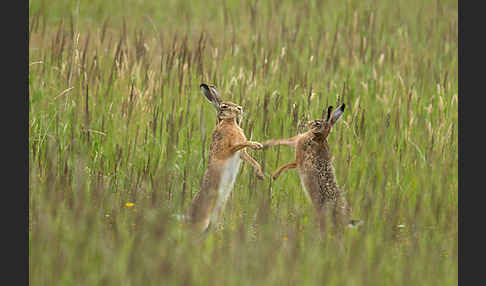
{"points": [[203, 85], [343, 106]]}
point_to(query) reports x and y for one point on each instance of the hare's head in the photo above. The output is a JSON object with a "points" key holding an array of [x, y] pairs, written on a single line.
{"points": [[323, 126], [225, 109]]}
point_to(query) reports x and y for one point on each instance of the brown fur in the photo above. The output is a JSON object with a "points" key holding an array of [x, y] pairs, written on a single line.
{"points": [[313, 160], [227, 139]]}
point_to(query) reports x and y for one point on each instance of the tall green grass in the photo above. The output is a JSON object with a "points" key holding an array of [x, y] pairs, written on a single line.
{"points": [[116, 116]]}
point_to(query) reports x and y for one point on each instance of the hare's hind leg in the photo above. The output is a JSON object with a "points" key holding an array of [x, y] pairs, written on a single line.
{"points": [[289, 166], [245, 156], [201, 209]]}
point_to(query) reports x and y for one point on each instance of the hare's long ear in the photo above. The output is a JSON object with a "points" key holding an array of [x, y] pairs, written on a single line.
{"points": [[211, 95], [216, 94], [329, 110], [337, 114]]}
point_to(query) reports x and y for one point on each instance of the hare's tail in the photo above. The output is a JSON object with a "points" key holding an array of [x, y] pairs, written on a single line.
{"points": [[355, 223], [180, 218]]}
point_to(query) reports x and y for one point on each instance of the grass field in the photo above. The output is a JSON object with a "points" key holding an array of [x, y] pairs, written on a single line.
{"points": [[119, 134]]}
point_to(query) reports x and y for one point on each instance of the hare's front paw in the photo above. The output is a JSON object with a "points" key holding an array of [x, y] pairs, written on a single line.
{"points": [[256, 145], [275, 176], [260, 175]]}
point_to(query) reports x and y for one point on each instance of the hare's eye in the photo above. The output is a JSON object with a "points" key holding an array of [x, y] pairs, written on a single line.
{"points": [[239, 108], [224, 106]]}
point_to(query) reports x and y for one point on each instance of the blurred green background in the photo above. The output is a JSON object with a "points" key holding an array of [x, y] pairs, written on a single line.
{"points": [[119, 134]]}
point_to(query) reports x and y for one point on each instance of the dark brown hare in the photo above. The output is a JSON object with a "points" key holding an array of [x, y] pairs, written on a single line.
{"points": [[313, 160]]}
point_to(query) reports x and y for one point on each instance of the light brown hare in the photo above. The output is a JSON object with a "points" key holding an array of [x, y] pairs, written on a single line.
{"points": [[313, 160], [226, 152]]}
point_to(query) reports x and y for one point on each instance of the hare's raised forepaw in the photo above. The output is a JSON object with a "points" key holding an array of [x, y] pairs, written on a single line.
{"points": [[256, 145], [260, 175], [274, 176]]}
